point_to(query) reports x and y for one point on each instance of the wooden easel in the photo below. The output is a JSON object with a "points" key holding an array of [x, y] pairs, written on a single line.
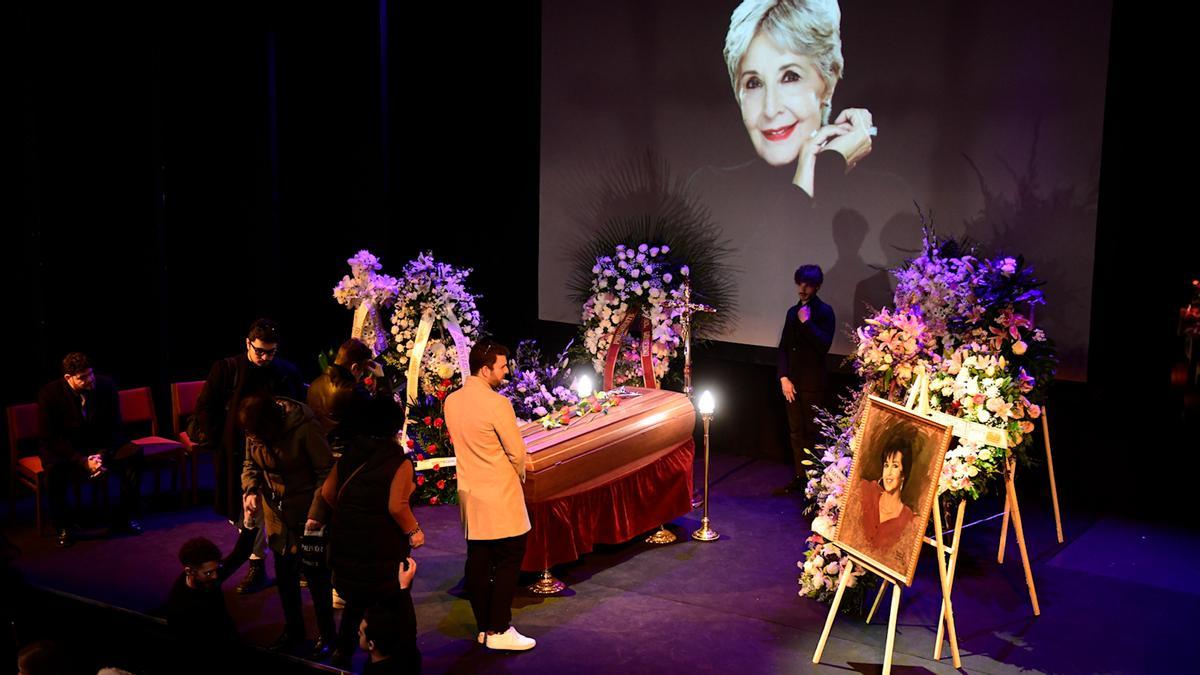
{"points": [[952, 551], [918, 399], [945, 618], [1053, 490], [1012, 510]]}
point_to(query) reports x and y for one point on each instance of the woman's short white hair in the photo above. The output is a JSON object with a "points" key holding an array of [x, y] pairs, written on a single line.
{"points": [[807, 27]]}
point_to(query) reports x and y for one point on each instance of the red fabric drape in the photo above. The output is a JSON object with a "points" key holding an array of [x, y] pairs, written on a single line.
{"points": [[567, 527]]}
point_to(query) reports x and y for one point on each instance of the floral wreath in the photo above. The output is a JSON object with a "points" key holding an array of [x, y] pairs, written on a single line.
{"points": [[634, 281], [434, 293], [368, 293]]}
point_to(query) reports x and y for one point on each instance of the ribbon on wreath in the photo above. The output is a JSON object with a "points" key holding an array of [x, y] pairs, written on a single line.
{"points": [[462, 349], [644, 350], [366, 327]]}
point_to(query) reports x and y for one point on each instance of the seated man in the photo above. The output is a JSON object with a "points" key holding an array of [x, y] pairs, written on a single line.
{"points": [[388, 632], [79, 421], [196, 611]]}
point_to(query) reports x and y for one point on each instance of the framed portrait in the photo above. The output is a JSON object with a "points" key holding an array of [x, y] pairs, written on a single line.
{"points": [[893, 481]]}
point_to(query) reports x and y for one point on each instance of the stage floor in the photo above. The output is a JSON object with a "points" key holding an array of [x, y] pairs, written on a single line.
{"points": [[732, 605]]}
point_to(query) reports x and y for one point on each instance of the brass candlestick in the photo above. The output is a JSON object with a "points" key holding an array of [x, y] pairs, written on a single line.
{"points": [[547, 584], [662, 536], [706, 533]]}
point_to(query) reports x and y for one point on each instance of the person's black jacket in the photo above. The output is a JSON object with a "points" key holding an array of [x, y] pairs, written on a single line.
{"points": [[199, 619], [67, 435], [200, 616], [229, 381], [803, 346]]}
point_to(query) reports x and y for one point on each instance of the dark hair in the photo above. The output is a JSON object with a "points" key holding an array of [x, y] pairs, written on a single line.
{"points": [[265, 330], [351, 352], [484, 353], [384, 628], [260, 416], [195, 552], [75, 363], [896, 439], [810, 274]]}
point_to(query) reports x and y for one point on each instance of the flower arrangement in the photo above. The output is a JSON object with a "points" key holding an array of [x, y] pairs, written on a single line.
{"points": [[890, 346], [640, 279], [599, 402], [938, 285], [535, 387], [428, 438], [968, 321], [830, 469], [365, 284], [434, 290]]}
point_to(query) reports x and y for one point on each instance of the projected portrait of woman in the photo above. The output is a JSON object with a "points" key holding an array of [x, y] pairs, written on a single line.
{"points": [[891, 488], [785, 60]]}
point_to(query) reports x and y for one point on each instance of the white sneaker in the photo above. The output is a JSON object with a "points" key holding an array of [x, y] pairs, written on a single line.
{"points": [[510, 640], [338, 602]]}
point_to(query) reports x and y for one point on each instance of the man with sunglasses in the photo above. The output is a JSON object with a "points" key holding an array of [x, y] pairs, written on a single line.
{"points": [[256, 372]]}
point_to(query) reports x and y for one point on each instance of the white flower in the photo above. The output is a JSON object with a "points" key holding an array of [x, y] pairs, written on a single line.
{"points": [[642, 248], [685, 270], [667, 278], [666, 249]]}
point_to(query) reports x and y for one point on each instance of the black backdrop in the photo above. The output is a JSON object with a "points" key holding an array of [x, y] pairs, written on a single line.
{"points": [[185, 171], [179, 173]]}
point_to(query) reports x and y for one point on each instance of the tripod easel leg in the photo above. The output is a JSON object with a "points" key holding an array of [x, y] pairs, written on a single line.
{"points": [[833, 609], [878, 596], [947, 612], [941, 629], [891, 635], [1020, 531], [1050, 468], [1007, 514]]}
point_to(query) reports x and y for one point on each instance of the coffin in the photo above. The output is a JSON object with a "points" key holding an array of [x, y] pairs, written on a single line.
{"points": [[601, 448]]}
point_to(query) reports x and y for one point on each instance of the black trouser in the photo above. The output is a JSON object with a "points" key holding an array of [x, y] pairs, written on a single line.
{"points": [[352, 616], [801, 422], [287, 578], [128, 470], [492, 569]]}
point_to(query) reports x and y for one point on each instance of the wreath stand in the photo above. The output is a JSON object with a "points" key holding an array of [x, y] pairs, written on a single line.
{"points": [[1010, 478], [920, 397]]}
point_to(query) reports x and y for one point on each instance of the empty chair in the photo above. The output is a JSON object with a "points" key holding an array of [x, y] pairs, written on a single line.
{"points": [[137, 407], [24, 466]]}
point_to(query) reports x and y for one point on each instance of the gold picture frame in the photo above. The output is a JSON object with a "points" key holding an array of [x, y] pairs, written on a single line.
{"points": [[896, 465]]}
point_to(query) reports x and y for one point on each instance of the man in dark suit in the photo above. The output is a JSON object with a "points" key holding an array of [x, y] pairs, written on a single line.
{"points": [[79, 420], [807, 335], [255, 372]]}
